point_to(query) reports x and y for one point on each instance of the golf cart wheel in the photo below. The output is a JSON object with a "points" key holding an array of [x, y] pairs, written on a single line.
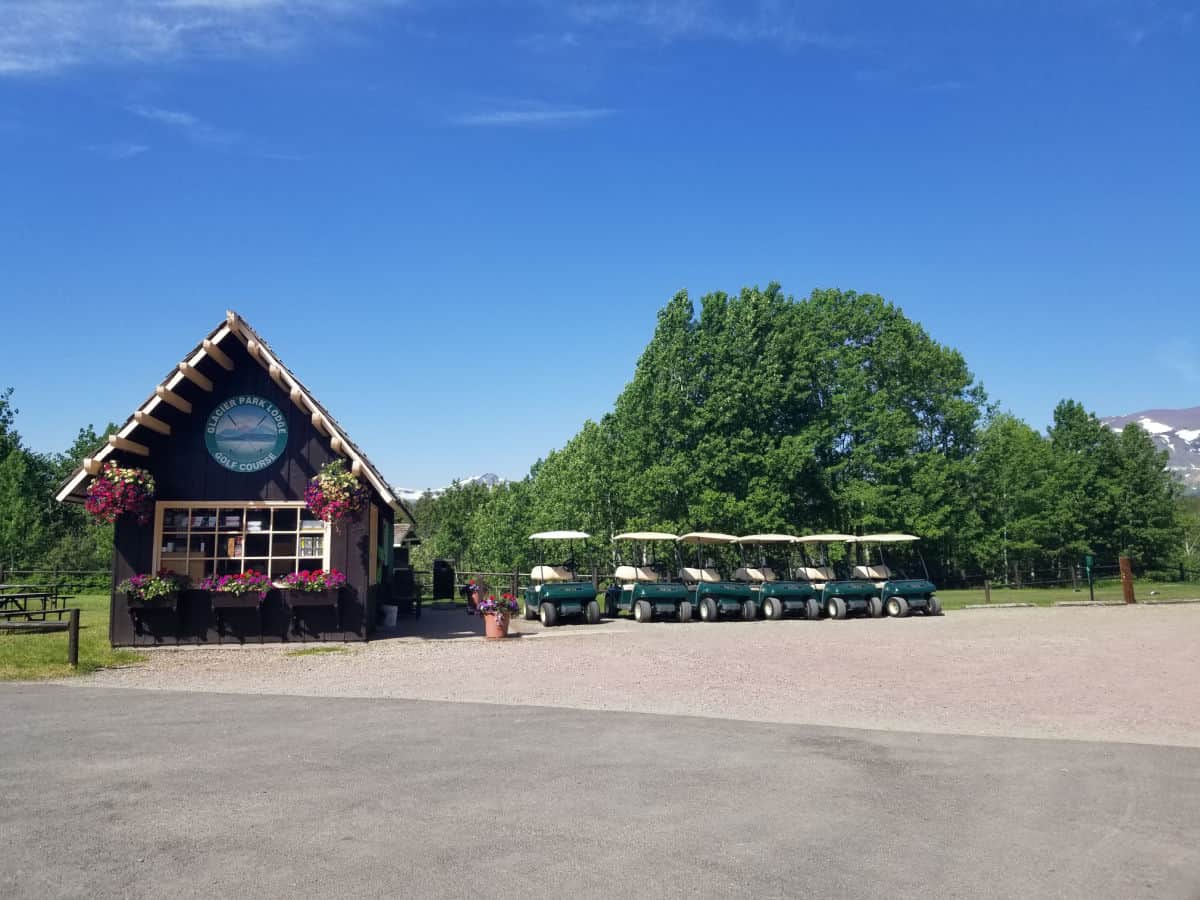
{"points": [[531, 611], [593, 613], [812, 609], [836, 608], [642, 611], [749, 610], [933, 607], [548, 613], [708, 610], [772, 608], [897, 607], [875, 607], [685, 611]]}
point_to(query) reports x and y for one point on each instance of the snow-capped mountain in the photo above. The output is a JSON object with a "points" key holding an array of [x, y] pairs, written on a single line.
{"points": [[488, 478], [1178, 432]]}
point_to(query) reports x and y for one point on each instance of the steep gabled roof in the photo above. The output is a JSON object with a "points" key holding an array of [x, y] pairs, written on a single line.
{"points": [[233, 328]]}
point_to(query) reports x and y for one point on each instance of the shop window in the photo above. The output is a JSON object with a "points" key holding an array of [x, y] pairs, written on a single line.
{"points": [[227, 539]]}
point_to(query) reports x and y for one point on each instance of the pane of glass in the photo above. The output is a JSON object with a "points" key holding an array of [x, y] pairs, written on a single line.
{"points": [[309, 522], [175, 519], [283, 545], [310, 564], [201, 545], [258, 520], [198, 569], [204, 519], [229, 566], [281, 567], [174, 543], [230, 546], [286, 519], [258, 544], [231, 519], [312, 544]]}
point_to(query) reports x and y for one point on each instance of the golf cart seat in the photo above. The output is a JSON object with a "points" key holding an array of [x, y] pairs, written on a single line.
{"points": [[694, 576], [549, 573], [878, 574], [755, 576], [817, 574], [628, 576]]}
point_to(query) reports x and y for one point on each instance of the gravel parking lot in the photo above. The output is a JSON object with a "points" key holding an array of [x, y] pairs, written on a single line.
{"points": [[1105, 674]]}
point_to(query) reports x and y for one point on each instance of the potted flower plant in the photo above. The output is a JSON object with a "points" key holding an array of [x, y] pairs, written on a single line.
{"points": [[247, 589], [118, 491], [160, 589], [318, 588], [335, 493], [496, 615]]}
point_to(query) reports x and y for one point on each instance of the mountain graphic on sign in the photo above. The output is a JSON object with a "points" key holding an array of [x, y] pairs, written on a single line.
{"points": [[246, 429]]}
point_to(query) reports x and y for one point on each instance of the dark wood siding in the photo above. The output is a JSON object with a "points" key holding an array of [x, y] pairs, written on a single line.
{"points": [[184, 471]]}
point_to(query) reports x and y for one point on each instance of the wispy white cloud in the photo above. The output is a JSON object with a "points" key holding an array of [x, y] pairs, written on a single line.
{"points": [[531, 115], [739, 21], [119, 149], [188, 125], [48, 36]]}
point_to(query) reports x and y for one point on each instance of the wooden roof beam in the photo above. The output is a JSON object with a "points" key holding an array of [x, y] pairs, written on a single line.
{"points": [[318, 422], [338, 445], [192, 374], [148, 421], [91, 465], [120, 443], [166, 395], [218, 354]]}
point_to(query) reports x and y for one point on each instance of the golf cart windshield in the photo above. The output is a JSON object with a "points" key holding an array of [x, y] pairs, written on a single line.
{"points": [[706, 568], [873, 566], [765, 557], [565, 571], [817, 564], [645, 566]]}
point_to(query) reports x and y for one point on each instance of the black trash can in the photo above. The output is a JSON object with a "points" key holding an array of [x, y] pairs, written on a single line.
{"points": [[443, 580]]}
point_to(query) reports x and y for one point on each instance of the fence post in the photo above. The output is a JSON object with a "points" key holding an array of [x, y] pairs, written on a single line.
{"points": [[73, 640], [516, 583], [987, 590], [1075, 577], [1127, 579]]}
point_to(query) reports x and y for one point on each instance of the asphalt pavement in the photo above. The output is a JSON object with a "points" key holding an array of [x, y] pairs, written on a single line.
{"points": [[129, 793]]}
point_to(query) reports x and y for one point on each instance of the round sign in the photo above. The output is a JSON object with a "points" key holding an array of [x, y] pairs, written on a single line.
{"points": [[246, 434]]}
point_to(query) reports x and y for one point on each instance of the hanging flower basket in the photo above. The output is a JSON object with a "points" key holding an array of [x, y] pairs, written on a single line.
{"points": [[497, 614], [335, 494], [119, 491]]}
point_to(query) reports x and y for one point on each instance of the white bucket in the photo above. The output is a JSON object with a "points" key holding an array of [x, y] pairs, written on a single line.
{"points": [[389, 616]]}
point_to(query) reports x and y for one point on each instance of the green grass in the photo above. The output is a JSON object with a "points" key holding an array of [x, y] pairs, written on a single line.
{"points": [[1109, 589], [317, 651], [36, 656]]}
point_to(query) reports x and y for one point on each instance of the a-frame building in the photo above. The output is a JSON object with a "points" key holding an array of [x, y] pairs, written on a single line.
{"points": [[232, 438]]}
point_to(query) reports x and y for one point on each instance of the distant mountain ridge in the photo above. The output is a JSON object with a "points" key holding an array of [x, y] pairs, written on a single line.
{"points": [[491, 479], [1175, 430]]}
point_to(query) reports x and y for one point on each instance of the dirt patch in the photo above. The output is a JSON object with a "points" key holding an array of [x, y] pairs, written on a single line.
{"points": [[1116, 674]]}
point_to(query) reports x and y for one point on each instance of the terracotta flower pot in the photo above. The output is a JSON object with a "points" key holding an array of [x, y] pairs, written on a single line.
{"points": [[495, 626]]}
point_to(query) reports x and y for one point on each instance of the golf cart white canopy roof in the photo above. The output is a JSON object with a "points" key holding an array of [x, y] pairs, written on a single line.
{"points": [[559, 536], [767, 539], [707, 537], [887, 538], [646, 536], [827, 539]]}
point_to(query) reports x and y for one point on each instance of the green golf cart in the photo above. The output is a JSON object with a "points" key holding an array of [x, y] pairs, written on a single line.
{"points": [[840, 597], [555, 592], [768, 567], [642, 582], [900, 595], [713, 595]]}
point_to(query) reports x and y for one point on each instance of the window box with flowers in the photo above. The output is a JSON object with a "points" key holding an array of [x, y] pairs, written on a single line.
{"points": [[245, 590], [305, 588]]}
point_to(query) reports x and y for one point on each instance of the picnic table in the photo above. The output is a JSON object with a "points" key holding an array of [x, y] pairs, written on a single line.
{"points": [[33, 600], [71, 626]]}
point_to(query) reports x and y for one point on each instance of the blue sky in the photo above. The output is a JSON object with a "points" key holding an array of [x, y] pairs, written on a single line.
{"points": [[456, 220]]}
